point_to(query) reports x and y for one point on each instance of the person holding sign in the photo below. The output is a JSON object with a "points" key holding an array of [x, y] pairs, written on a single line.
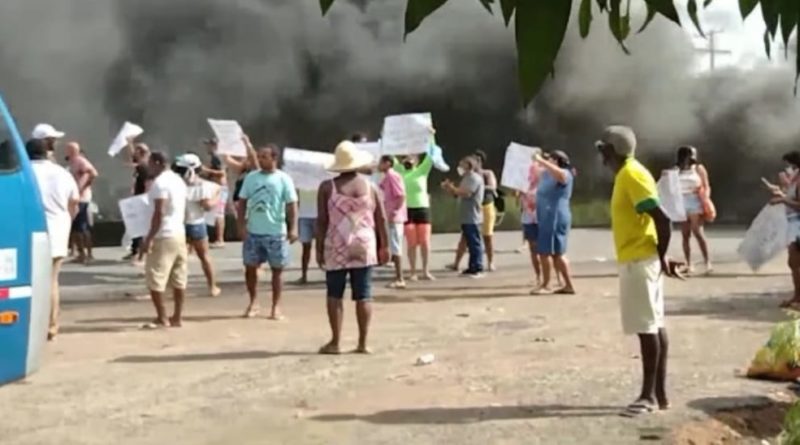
{"points": [[165, 243], [641, 235], [201, 196], [394, 201], [139, 157], [789, 195], [351, 240], [696, 191], [215, 172], [267, 223], [554, 219], [418, 224]]}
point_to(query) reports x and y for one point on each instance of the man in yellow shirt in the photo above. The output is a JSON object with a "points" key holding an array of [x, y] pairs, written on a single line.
{"points": [[641, 237]]}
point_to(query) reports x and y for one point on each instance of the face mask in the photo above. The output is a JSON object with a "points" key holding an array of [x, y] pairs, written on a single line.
{"points": [[461, 170], [408, 165]]}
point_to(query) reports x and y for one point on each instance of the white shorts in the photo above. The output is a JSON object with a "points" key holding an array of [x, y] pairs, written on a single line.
{"points": [[395, 232], [641, 296]]}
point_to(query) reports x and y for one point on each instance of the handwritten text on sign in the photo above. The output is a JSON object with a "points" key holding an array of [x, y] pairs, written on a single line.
{"points": [[517, 166], [307, 168], [767, 237], [136, 214], [229, 137], [669, 193], [407, 134], [128, 130]]}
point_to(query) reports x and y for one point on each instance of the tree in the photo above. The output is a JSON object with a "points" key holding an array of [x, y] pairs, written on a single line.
{"points": [[540, 26]]}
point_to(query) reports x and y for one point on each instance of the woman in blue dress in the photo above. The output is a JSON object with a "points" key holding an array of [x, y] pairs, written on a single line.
{"points": [[555, 218]]}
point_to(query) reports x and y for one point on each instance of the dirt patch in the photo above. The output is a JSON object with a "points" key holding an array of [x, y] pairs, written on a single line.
{"points": [[734, 426]]}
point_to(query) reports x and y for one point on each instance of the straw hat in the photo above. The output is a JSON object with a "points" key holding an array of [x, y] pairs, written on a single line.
{"points": [[347, 158]]}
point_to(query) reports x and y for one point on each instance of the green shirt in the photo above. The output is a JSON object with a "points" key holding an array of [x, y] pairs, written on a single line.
{"points": [[416, 181]]}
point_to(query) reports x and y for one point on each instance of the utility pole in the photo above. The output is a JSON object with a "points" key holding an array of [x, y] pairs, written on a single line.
{"points": [[712, 50]]}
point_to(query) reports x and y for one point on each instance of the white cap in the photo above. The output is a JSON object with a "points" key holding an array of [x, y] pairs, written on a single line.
{"points": [[45, 131], [188, 160]]}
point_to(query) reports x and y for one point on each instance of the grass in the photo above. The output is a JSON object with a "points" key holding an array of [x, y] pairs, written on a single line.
{"points": [[585, 213]]}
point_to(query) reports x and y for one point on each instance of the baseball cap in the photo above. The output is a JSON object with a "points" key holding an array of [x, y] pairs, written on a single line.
{"points": [[45, 131], [188, 160], [621, 138]]}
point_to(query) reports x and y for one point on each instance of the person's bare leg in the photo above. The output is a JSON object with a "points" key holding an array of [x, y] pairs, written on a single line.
{"points": [[251, 280], [546, 269], [277, 288], [178, 296], [794, 267], [488, 242], [398, 269], [335, 309], [426, 254], [561, 265], [88, 244], [305, 260], [363, 315], [55, 299], [661, 374], [537, 264], [650, 351], [461, 250], [686, 236], [201, 248], [700, 236], [219, 231], [158, 303], [78, 237], [412, 261]]}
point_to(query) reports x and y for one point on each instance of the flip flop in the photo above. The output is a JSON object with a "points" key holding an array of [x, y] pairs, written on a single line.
{"points": [[278, 317], [541, 291], [564, 291], [364, 351], [637, 408], [251, 313], [153, 325]]}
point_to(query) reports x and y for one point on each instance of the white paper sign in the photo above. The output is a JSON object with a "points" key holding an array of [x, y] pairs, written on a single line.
{"points": [[8, 264], [373, 148], [307, 168], [406, 134], [669, 193], [136, 215], [229, 137], [517, 166], [766, 238], [127, 131]]}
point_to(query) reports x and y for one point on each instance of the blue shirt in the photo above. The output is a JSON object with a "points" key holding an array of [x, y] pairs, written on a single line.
{"points": [[267, 195]]}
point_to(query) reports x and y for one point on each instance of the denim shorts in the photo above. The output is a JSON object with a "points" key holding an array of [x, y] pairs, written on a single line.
{"points": [[306, 229], [531, 232], [270, 249], [81, 222], [360, 283], [196, 232]]}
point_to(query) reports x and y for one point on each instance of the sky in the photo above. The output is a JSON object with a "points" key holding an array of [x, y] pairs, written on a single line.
{"points": [[744, 39]]}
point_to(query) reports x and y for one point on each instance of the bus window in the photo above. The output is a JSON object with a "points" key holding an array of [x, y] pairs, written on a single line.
{"points": [[9, 162]]}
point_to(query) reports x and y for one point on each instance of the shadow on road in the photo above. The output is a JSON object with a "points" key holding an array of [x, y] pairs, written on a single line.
{"points": [[216, 356], [425, 416], [751, 417], [738, 306], [140, 320]]}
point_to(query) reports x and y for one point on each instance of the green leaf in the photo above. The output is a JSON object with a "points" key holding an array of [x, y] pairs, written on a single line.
{"points": [[585, 17], [665, 8], [508, 6], [790, 12], [692, 7], [797, 51], [488, 5], [651, 14], [768, 44], [615, 22], [747, 6], [540, 26], [325, 5], [418, 10], [770, 9], [603, 4], [707, 3]]}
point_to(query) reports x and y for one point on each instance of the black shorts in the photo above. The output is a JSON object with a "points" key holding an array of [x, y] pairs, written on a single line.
{"points": [[419, 216], [80, 224]]}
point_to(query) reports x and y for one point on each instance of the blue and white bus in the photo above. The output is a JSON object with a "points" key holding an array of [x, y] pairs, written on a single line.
{"points": [[25, 262]]}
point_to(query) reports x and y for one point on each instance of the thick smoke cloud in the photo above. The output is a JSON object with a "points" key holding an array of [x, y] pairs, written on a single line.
{"points": [[297, 79]]}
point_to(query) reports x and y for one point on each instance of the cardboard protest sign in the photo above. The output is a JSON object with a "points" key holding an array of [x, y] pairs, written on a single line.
{"points": [[373, 148], [669, 193], [229, 137], [307, 168], [136, 214], [127, 131], [517, 166], [767, 237], [407, 134]]}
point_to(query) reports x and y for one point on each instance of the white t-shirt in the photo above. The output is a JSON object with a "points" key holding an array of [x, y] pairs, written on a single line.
{"points": [[57, 187], [195, 194], [308, 204], [171, 187]]}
